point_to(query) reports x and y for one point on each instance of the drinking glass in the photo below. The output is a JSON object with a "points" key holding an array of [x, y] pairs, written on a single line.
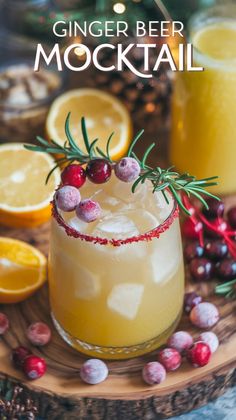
{"points": [[117, 284]]}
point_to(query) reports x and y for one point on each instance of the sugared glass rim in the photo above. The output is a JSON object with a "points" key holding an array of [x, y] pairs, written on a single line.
{"points": [[148, 236], [203, 18]]}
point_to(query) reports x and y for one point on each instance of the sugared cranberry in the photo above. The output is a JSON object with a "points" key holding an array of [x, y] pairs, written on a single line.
{"points": [[211, 339], [67, 198], [201, 269], [191, 299], [232, 217], [226, 269], [216, 250], [34, 367], [153, 373], [39, 334], [73, 175], [127, 169], [99, 171], [180, 341], [204, 315], [18, 356], [88, 210], [170, 359], [4, 323], [219, 224], [190, 229], [193, 250], [216, 208], [94, 371], [199, 354]]}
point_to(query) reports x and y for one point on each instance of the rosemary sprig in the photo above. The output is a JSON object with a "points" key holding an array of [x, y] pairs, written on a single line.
{"points": [[227, 289], [161, 179]]}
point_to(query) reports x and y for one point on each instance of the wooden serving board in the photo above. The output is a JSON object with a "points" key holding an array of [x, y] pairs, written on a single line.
{"points": [[60, 394]]}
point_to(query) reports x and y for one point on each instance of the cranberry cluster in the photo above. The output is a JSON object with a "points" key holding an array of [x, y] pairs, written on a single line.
{"points": [[39, 334], [211, 248], [181, 344], [98, 171]]}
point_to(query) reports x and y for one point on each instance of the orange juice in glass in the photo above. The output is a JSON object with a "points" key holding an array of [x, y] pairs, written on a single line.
{"points": [[203, 138], [117, 284]]}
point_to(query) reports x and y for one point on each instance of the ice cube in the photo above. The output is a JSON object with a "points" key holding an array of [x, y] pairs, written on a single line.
{"points": [[116, 226], [166, 256], [143, 219], [77, 224], [163, 208], [125, 299], [123, 191], [162, 268], [86, 285]]}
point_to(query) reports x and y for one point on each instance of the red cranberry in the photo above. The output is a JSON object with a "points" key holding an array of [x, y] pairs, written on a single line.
{"points": [[39, 334], [221, 226], [34, 367], [232, 217], [201, 269], [226, 269], [193, 250], [199, 354], [73, 175], [191, 299], [18, 356], [4, 323], [190, 229], [170, 359], [216, 250], [99, 171], [216, 208]]}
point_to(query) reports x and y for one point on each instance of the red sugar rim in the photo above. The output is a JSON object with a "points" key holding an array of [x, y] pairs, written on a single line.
{"points": [[154, 233]]}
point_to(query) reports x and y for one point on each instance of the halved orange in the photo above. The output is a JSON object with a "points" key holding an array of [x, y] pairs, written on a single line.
{"points": [[103, 113], [22, 270], [24, 197]]}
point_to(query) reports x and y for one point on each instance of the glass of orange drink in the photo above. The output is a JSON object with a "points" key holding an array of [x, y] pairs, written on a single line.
{"points": [[203, 139], [117, 284]]}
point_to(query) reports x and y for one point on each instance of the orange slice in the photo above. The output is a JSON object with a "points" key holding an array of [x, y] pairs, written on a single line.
{"points": [[103, 114], [24, 197], [22, 270]]}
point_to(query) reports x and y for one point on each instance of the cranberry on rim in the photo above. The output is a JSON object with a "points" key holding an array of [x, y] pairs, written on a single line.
{"points": [[73, 175], [99, 171]]}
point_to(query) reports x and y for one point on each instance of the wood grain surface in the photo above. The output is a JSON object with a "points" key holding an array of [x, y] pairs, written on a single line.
{"points": [[61, 395]]}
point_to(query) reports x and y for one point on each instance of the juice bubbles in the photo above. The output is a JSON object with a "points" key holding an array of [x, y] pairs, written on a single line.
{"points": [[117, 301], [203, 139]]}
